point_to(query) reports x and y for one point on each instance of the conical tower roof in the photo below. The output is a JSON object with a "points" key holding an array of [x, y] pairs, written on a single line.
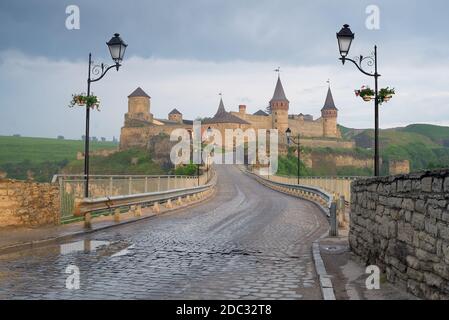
{"points": [[175, 111], [139, 93], [329, 103], [279, 94], [221, 109], [222, 116]]}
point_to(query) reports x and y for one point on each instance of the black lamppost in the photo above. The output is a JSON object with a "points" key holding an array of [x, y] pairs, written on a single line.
{"points": [[345, 37], [209, 131], [117, 49], [296, 141]]}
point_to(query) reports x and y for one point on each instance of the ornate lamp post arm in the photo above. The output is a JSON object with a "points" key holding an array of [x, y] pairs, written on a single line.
{"points": [[103, 71], [359, 64]]}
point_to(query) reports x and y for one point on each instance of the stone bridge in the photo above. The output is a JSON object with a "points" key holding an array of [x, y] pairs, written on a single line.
{"points": [[247, 242]]}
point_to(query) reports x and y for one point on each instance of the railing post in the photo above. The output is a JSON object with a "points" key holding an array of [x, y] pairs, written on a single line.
{"points": [[159, 183], [333, 232], [146, 184], [130, 185], [343, 209], [110, 186], [117, 215], [88, 220]]}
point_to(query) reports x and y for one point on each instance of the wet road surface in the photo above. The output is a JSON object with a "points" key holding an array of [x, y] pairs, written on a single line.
{"points": [[247, 242]]}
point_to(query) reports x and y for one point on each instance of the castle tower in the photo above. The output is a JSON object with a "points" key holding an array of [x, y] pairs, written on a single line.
{"points": [[329, 114], [175, 115], [139, 106], [279, 106]]}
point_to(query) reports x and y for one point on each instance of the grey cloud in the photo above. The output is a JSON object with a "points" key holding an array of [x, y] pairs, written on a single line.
{"points": [[288, 31]]}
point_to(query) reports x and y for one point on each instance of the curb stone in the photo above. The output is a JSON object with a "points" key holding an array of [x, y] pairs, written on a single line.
{"points": [[326, 286]]}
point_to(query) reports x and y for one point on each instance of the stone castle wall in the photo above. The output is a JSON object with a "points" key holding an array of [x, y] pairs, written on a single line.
{"points": [[350, 161], [401, 224], [257, 122], [323, 143], [28, 204], [139, 137], [399, 167]]}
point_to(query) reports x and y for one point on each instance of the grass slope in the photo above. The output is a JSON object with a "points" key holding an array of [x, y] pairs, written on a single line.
{"points": [[118, 163], [38, 150], [426, 146], [437, 134]]}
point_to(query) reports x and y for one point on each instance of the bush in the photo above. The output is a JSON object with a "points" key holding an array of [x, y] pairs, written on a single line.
{"points": [[119, 163], [288, 166], [186, 170]]}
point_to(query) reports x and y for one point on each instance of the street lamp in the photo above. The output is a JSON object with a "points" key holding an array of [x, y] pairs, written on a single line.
{"points": [[117, 49], [296, 141], [345, 37], [208, 132]]}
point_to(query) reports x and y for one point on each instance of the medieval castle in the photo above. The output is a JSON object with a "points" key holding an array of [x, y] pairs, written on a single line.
{"points": [[140, 124]]}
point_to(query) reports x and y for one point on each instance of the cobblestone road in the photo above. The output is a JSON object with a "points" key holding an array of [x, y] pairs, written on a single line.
{"points": [[248, 242]]}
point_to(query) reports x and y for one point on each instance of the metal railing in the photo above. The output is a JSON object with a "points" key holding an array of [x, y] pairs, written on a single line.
{"points": [[324, 198], [102, 186], [340, 186], [91, 205]]}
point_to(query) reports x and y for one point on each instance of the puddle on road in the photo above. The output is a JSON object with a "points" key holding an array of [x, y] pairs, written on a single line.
{"points": [[102, 248], [123, 252], [83, 245]]}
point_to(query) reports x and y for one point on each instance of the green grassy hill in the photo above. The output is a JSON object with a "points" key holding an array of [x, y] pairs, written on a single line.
{"points": [[44, 157], [426, 146], [38, 150], [437, 134], [133, 161]]}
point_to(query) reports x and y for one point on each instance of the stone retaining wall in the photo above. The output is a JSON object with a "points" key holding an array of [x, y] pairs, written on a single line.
{"points": [[401, 224], [29, 204]]}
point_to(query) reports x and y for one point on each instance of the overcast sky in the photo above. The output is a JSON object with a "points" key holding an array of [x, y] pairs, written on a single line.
{"points": [[183, 53]]}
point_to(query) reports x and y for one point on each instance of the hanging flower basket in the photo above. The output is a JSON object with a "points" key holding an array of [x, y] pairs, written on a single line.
{"points": [[367, 98], [84, 100], [386, 94], [78, 99], [366, 93]]}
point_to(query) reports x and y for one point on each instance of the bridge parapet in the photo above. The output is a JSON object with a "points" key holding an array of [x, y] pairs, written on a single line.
{"points": [[340, 186], [117, 186], [401, 224]]}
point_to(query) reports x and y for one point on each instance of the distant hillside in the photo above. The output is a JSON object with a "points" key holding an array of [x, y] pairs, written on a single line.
{"points": [[438, 134], [18, 149], [41, 157], [133, 161], [426, 146]]}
